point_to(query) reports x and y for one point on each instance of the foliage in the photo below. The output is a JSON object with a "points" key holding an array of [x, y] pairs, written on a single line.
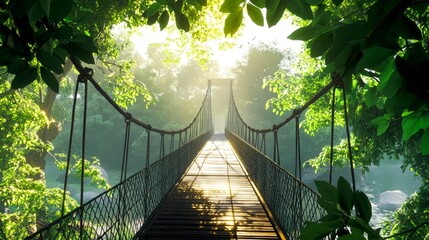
{"points": [[25, 201], [348, 214], [36, 39], [91, 170], [294, 87], [274, 12], [412, 219], [377, 39]]}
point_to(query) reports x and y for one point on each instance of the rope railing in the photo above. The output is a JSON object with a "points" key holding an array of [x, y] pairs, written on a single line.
{"points": [[288, 198], [123, 210]]}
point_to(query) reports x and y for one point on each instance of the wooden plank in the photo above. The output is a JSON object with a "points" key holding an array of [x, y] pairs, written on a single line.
{"points": [[214, 200]]}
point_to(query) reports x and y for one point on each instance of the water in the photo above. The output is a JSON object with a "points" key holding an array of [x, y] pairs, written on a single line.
{"points": [[386, 177]]}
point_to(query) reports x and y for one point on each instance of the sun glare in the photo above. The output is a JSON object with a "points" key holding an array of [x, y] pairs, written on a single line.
{"points": [[252, 35]]}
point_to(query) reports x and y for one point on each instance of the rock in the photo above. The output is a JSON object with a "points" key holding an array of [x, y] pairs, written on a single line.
{"points": [[86, 196], [391, 200]]}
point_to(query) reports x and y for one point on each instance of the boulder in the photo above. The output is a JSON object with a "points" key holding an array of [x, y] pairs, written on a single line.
{"points": [[86, 196], [391, 200]]}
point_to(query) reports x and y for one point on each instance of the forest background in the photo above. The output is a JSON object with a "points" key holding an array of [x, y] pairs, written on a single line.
{"points": [[379, 48]]}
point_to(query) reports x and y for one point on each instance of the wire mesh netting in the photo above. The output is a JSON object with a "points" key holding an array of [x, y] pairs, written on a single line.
{"points": [[120, 212], [291, 202]]}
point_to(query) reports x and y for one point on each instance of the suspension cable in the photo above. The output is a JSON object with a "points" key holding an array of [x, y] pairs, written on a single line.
{"points": [[276, 154], [171, 143], [69, 146], [124, 167], [161, 147], [82, 175], [297, 149], [87, 75], [349, 141], [331, 157]]}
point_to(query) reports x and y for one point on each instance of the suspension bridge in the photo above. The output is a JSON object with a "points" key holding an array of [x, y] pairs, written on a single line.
{"points": [[203, 185]]}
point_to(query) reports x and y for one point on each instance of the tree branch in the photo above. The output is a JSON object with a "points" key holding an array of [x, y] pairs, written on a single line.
{"points": [[412, 230]]}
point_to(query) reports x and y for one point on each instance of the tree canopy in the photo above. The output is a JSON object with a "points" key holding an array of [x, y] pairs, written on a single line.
{"points": [[378, 47]]}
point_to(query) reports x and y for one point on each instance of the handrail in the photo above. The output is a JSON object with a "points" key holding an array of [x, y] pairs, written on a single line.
{"points": [[121, 211], [87, 75], [296, 112]]}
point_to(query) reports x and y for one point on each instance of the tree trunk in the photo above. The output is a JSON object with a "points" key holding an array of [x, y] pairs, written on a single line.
{"points": [[36, 158]]}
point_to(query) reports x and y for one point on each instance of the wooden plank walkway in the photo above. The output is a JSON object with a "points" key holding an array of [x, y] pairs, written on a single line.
{"points": [[214, 200]]}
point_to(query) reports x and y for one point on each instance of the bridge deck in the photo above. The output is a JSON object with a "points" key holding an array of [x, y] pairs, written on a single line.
{"points": [[215, 199]]}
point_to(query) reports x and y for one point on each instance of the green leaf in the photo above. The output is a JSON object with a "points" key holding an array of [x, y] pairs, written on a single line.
{"points": [[7, 55], [352, 33], [152, 19], [49, 79], [372, 57], [330, 217], [233, 22], [85, 42], [16, 43], [390, 82], [300, 8], [425, 142], [413, 123], [46, 5], [255, 14], [343, 56], [364, 226], [314, 2], [36, 12], [64, 33], [330, 207], [275, 10], [24, 78], [345, 196], [83, 55], [49, 61], [352, 236], [178, 6], [321, 44], [229, 6], [383, 123], [314, 230], [321, 16], [363, 206], [371, 97], [182, 21], [333, 52], [380, 9], [152, 10], [163, 19], [60, 53], [60, 9], [337, 2], [306, 33], [258, 3], [327, 191], [406, 28], [17, 66]]}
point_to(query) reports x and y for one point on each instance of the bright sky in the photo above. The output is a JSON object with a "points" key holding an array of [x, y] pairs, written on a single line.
{"points": [[252, 35]]}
